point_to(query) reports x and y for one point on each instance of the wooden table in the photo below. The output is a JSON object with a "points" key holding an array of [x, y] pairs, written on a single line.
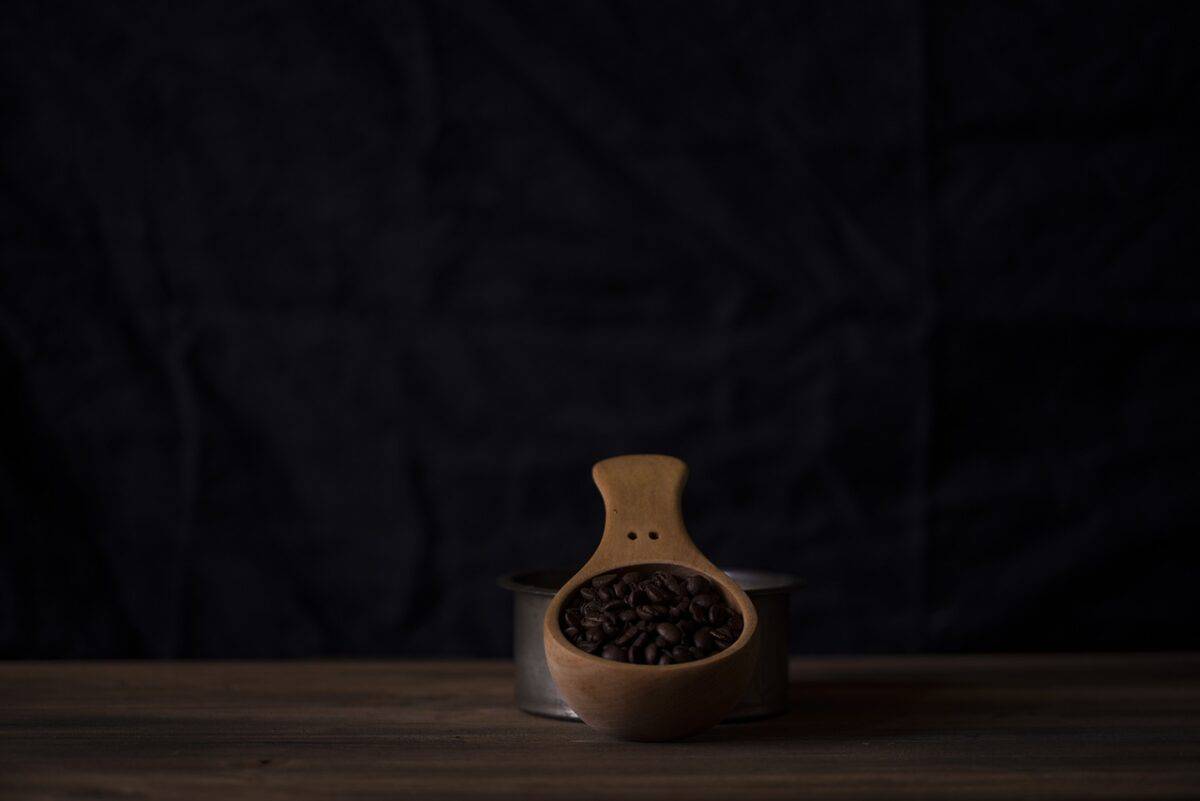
{"points": [[911, 727]]}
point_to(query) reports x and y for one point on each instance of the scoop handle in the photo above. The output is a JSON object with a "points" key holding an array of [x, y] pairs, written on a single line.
{"points": [[643, 514]]}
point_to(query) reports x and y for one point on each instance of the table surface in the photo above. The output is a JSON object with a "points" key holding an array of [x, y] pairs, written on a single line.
{"points": [[897, 727]]}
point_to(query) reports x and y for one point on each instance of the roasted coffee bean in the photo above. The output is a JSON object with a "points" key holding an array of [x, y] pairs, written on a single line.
{"points": [[669, 632], [613, 652], [659, 619]]}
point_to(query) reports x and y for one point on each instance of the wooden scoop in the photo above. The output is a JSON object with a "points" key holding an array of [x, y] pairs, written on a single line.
{"points": [[643, 528]]}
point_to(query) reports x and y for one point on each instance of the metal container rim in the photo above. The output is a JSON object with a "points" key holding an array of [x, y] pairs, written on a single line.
{"points": [[763, 582]]}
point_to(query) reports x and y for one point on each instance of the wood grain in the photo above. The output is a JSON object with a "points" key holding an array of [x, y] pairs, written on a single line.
{"points": [[930, 727]]}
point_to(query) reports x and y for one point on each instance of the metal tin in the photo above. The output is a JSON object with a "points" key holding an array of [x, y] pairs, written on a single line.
{"points": [[536, 693]]}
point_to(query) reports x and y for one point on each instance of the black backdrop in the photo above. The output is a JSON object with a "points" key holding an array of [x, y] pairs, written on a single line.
{"points": [[313, 317]]}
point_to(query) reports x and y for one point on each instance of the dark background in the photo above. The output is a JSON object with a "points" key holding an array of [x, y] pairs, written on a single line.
{"points": [[314, 317]]}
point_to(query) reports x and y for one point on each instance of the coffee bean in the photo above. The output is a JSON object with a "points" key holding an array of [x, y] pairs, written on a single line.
{"points": [[659, 619], [613, 652], [669, 632]]}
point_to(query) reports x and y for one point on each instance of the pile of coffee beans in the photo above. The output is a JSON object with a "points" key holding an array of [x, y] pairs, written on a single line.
{"points": [[650, 618]]}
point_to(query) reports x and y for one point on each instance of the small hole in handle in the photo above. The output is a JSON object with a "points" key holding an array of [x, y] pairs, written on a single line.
{"points": [[653, 535], [632, 535]]}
